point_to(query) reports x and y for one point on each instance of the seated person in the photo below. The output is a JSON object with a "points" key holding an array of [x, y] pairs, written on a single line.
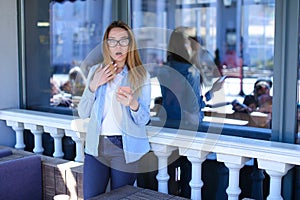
{"points": [[76, 83], [265, 103], [58, 97], [260, 100]]}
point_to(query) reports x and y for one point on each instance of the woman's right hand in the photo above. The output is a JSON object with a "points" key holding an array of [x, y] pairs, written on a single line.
{"points": [[102, 75], [218, 84]]}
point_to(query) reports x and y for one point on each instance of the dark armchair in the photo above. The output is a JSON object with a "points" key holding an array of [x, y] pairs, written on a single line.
{"points": [[20, 176]]}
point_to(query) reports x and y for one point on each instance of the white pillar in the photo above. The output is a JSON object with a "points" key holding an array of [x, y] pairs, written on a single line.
{"points": [[57, 135], [234, 164], [196, 158], [275, 185], [79, 139], [162, 152], [276, 171], [196, 181], [19, 130], [37, 131], [233, 191], [79, 149]]}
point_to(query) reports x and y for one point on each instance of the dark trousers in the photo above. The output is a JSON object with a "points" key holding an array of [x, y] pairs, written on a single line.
{"points": [[110, 164]]}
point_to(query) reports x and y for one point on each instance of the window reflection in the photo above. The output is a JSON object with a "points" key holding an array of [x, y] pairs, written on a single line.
{"points": [[236, 42], [239, 43], [76, 29]]}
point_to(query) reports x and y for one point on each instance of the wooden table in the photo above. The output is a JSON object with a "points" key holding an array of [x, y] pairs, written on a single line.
{"points": [[132, 193], [254, 119]]}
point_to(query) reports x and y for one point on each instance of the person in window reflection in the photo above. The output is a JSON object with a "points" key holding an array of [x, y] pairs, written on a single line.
{"points": [[180, 82], [117, 101], [76, 82], [58, 97], [182, 101], [260, 100]]}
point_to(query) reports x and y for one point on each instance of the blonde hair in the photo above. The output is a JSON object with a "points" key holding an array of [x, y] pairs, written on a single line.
{"points": [[177, 49], [136, 71]]}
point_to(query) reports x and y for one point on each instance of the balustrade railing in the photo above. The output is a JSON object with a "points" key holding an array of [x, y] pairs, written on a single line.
{"points": [[273, 157]]}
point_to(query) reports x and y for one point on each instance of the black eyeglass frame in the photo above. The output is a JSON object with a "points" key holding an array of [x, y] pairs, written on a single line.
{"points": [[118, 42]]}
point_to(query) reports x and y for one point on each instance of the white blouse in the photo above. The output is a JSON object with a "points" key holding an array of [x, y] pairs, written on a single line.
{"points": [[112, 112]]}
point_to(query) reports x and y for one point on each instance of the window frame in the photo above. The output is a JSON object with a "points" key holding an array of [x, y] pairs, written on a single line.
{"points": [[286, 53]]}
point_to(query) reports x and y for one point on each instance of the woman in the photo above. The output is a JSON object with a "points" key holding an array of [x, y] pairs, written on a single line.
{"points": [[117, 101], [182, 100], [180, 81]]}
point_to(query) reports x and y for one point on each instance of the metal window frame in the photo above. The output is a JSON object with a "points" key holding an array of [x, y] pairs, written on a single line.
{"points": [[284, 117], [21, 54]]}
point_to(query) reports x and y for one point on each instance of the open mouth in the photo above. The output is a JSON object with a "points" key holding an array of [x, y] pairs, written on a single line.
{"points": [[118, 53]]}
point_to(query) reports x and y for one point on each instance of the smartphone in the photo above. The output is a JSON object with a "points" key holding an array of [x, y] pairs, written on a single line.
{"points": [[222, 79], [125, 88]]}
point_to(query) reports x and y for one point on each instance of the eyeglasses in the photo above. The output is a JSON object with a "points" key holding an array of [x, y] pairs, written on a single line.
{"points": [[113, 43]]}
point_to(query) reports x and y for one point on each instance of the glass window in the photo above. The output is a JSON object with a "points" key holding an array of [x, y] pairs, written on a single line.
{"points": [[235, 42], [57, 42]]}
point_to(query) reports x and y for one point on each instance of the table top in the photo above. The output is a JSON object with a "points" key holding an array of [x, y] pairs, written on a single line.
{"points": [[225, 120]]}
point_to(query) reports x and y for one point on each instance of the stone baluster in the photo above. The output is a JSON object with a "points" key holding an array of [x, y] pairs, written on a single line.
{"points": [[37, 131], [196, 158], [19, 130], [78, 138], [276, 171], [162, 152], [234, 164], [57, 134]]}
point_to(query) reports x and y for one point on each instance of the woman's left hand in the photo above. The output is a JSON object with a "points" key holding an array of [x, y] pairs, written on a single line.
{"points": [[126, 98]]}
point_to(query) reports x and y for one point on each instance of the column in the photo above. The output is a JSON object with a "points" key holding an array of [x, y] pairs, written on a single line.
{"points": [[196, 158], [79, 139], [276, 171], [234, 164], [57, 134], [37, 131], [162, 152], [19, 130]]}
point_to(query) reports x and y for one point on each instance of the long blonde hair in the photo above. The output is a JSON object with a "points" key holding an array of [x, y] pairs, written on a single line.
{"points": [[136, 71]]}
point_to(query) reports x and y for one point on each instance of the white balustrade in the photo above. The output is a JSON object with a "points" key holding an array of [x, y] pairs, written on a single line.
{"points": [[276, 171], [162, 152], [196, 158], [78, 138], [37, 131], [57, 135], [274, 157], [19, 129], [38, 122], [234, 164]]}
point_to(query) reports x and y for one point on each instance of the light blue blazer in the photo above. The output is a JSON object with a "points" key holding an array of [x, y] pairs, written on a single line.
{"points": [[134, 136]]}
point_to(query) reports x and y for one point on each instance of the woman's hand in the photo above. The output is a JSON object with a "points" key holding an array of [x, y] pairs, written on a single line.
{"points": [[218, 84], [126, 98], [102, 75]]}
